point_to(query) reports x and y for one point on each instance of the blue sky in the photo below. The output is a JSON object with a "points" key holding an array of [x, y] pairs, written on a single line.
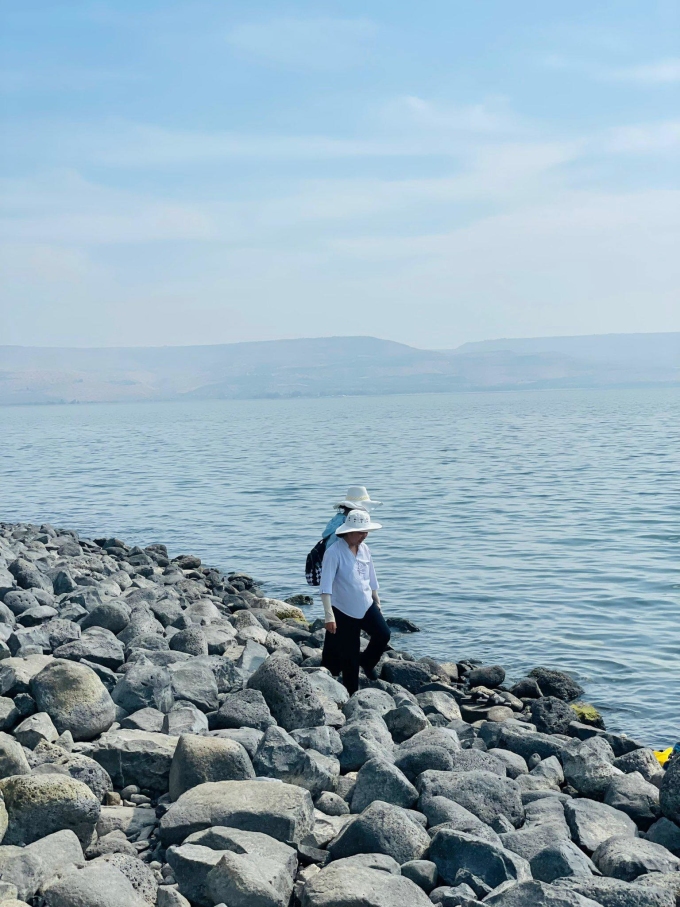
{"points": [[203, 172]]}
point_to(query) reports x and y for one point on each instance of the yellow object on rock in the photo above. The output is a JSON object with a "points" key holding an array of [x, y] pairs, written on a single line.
{"points": [[663, 755]]}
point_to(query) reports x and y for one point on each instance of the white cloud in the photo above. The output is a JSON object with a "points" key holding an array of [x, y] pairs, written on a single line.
{"points": [[317, 43]]}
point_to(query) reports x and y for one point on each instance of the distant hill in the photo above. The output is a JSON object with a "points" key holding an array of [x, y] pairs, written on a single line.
{"points": [[331, 366]]}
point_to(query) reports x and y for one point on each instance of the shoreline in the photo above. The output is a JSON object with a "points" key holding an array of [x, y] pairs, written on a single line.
{"points": [[143, 677]]}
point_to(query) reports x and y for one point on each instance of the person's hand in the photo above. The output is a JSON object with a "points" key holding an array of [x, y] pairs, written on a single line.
{"points": [[331, 627]]}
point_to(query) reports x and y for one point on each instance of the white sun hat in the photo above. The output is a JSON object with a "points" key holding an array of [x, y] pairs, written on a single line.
{"points": [[357, 521], [357, 497]]}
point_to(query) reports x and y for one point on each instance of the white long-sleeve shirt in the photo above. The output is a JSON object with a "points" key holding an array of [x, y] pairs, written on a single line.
{"points": [[349, 580]]}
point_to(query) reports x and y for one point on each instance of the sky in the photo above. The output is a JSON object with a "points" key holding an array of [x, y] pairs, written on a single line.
{"points": [[431, 173]]}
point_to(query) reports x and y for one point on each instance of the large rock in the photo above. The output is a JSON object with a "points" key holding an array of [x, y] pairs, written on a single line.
{"points": [[144, 686], [561, 860], [643, 761], [195, 683], [254, 870], [363, 740], [191, 864], [113, 615], [38, 805], [33, 866], [379, 780], [198, 760], [346, 884], [551, 715], [94, 885], [670, 791], [243, 709], [136, 757], [557, 684], [615, 893], [527, 842], [96, 645], [281, 810], [16, 673], [28, 576], [452, 851], [592, 823], [636, 797], [589, 768], [287, 691], [486, 676], [537, 894], [408, 674], [627, 858], [484, 794], [12, 757], [666, 833], [279, 756], [442, 811], [138, 874], [381, 828], [75, 699], [526, 743]]}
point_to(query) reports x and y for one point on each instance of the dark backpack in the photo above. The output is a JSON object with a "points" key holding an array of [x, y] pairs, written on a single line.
{"points": [[314, 562]]}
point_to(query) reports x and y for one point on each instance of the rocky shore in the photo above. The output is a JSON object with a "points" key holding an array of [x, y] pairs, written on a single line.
{"points": [[168, 737]]}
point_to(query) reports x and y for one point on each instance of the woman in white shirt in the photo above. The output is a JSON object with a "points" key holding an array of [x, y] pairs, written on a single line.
{"points": [[349, 592]]}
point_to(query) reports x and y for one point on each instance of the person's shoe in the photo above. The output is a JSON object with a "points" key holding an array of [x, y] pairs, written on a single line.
{"points": [[371, 673]]}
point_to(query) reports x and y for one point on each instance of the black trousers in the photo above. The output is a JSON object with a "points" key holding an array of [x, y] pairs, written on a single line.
{"points": [[342, 649]]}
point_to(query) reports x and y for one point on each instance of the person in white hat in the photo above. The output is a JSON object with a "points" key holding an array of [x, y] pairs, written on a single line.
{"points": [[357, 498], [349, 592]]}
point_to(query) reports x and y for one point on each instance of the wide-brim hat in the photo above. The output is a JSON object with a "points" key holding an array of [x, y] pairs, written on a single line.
{"points": [[359, 498], [357, 521]]}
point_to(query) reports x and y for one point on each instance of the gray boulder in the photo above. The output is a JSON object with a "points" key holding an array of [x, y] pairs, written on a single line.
{"points": [[592, 823], [12, 757], [197, 760], [146, 719], [643, 761], [284, 811], [184, 718], [441, 811], [95, 645], [136, 757], [557, 683], [191, 865], [364, 740], [381, 828], [28, 576], [551, 715], [455, 851], [528, 842], [287, 691], [422, 872], [636, 797], [254, 870], [75, 699], [38, 805], [248, 737], [324, 740], [484, 794], [627, 858], [192, 641], [415, 760], [559, 861], [615, 893], [92, 885], [195, 683], [35, 729], [666, 833], [536, 894], [380, 780], [369, 699], [113, 615], [588, 767], [408, 674], [526, 742], [144, 686], [279, 756], [33, 866], [486, 676], [669, 798], [405, 720], [341, 885], [245, 708], [138, 874]]}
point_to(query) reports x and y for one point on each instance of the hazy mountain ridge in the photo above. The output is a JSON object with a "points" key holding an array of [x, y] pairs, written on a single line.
{"points": [[331, 366]]}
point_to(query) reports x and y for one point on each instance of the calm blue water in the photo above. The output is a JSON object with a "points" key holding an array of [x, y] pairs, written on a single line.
{"points": [[520, 528]]}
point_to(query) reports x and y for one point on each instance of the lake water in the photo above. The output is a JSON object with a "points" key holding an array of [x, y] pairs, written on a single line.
{"points": [[519, 528]]}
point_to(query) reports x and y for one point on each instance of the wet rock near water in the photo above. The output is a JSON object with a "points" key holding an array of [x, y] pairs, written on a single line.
{"points": [[168, 737]]}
